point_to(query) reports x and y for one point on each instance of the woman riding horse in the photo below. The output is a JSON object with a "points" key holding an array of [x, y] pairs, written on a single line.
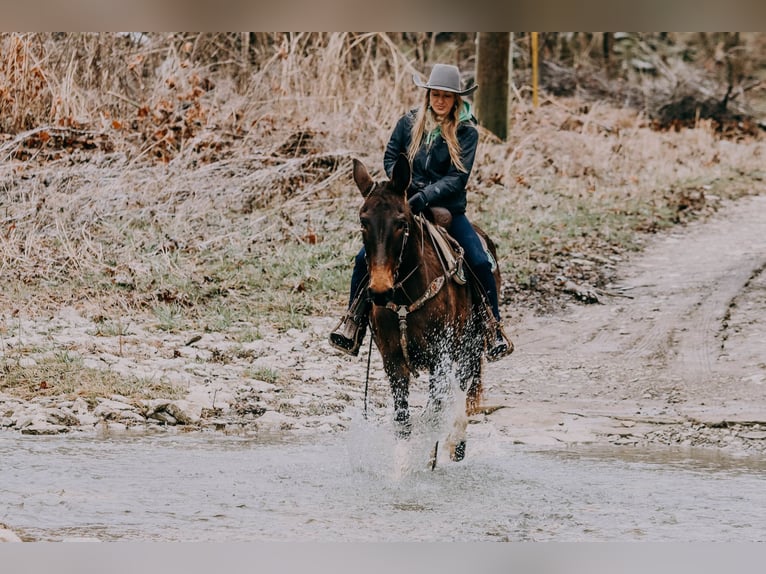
{"points": [[440, 139], [425, 317]]}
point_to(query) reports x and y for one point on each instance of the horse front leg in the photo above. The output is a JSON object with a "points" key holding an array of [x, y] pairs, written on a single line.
{"points": [[473, 395], [438, 392], [399, 379], [469, 374]]}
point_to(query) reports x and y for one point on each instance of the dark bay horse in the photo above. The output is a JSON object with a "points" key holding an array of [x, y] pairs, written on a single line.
{"points": [[422, 319]]}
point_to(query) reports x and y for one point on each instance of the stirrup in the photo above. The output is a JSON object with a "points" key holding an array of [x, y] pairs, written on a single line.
{"points": [[498, 343], [349, 334]]}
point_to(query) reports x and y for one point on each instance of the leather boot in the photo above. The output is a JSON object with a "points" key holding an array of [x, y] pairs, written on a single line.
{"points": [[349, 333], [498, 344]]}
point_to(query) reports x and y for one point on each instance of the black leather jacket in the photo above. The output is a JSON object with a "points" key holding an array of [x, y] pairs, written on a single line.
{"points": [[432, 170]]}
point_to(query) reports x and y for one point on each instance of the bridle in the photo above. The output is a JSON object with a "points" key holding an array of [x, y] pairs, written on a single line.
{"points": [[431, 291], [402, 251], [398, 284]]}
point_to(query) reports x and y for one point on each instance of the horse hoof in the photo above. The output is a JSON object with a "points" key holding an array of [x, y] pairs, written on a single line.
{"points": [[403, 430], [402, 424], [459, 451]]}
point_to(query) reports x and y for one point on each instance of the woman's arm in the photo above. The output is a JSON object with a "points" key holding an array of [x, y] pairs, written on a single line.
{"points": [[454, 181]]}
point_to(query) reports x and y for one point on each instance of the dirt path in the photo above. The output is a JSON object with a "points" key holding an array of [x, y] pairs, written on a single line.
{"points": [[679, 356]]}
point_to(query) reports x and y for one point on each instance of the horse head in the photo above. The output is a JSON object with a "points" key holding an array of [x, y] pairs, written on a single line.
{"points": [[385, 219]]}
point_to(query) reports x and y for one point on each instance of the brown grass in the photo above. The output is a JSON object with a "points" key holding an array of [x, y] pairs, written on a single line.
{"points": [[63, 376], [200, 178]]}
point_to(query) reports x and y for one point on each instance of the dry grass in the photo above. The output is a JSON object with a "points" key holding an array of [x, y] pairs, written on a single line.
{"points": [[196, 179], [63, 375]]}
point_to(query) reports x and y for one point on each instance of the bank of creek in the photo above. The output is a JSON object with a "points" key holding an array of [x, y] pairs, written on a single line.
{"points": [[664, 380]]}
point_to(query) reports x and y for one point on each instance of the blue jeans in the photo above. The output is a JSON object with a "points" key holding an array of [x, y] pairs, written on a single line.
{"points": [[477, 259], [475, 256]]}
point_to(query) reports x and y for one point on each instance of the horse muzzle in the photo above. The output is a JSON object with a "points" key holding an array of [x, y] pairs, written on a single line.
{"points": [[380, 298], [381, 287]]}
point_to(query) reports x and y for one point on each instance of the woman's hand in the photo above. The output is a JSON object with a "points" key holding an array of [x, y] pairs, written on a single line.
{"points": [[417, 202]]}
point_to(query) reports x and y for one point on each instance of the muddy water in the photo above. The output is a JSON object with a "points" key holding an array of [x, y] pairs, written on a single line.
{"points": [[363, 486]]}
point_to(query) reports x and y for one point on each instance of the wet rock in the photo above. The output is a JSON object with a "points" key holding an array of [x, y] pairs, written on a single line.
{"points": [[38, 428], [61, 416], [627, 440], [163, 417], [28, 415], [753, 435], [87, 420], [79, 406], [185, 412], [621, 439], [109, 409], [131, 417], [173, 412]]}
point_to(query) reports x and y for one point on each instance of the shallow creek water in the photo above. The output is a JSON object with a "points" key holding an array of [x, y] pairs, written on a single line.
{"points": [[364, 486]]}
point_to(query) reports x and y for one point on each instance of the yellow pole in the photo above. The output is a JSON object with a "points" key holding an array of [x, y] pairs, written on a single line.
{"points": [[534, 69]]}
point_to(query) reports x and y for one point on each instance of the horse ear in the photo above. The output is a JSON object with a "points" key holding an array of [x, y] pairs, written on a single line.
{"points": [[401, 174], [362, 178]]}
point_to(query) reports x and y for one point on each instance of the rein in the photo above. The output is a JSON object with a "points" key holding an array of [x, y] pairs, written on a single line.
{"points": [[367, 380]]}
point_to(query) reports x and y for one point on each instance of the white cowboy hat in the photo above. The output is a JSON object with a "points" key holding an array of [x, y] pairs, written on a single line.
{"points": [[444, 77]]}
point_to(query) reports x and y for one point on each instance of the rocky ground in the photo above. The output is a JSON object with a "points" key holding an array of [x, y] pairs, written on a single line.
{"points": [[672, 354]]}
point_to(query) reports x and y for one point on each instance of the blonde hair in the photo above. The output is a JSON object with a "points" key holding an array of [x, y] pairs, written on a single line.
{"points": [[448, 130]]}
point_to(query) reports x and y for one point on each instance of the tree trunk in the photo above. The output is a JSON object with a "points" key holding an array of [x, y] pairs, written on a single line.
{"points": [[607, 45], [492, 77]]}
